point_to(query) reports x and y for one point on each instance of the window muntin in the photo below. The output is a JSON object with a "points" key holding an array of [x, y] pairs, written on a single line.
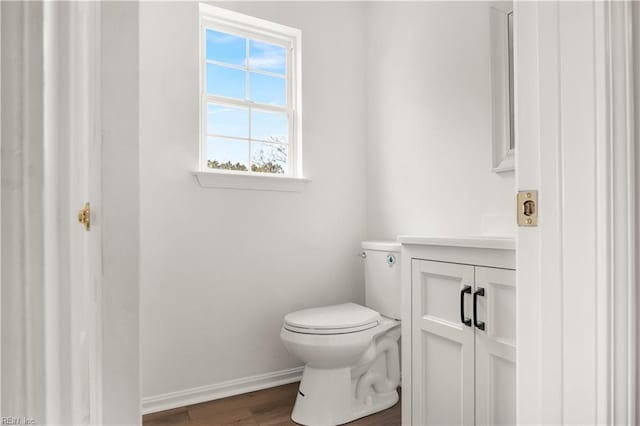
{"points": [[248, 102]]}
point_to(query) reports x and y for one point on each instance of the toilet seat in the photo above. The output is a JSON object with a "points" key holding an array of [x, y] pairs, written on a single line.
{"points": [[333, 319]]}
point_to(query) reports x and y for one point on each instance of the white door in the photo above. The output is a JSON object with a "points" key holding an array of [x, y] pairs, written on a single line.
{"points": [[443, 344], [495, 328]]}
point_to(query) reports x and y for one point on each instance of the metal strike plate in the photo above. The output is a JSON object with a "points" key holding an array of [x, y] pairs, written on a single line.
{"points": [[527, 208]]}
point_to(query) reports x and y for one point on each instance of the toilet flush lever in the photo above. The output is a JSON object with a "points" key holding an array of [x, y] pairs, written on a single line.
{"points": [[391, 260], [363, 255]]}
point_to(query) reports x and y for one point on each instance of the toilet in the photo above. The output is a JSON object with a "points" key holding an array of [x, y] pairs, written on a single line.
{"points": [[350, 351]]}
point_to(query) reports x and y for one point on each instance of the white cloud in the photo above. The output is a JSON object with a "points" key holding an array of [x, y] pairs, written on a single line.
{"points": [[220, 110], [267, 62], [267, 57], [221, 38]]}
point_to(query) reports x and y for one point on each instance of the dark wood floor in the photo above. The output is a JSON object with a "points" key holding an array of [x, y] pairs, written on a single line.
{"points": [[267, 407]]}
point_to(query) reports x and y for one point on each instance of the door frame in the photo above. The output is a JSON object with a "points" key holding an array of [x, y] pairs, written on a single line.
{"points": [[1, 128], [22, 369], [86, 35], [577, 271]]}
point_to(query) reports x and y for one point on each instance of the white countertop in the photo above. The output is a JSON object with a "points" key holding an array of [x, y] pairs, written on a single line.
{"points": [[498, 243]]}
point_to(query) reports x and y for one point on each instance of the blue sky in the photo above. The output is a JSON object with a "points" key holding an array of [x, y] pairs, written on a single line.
{"points": [[230, 82]]}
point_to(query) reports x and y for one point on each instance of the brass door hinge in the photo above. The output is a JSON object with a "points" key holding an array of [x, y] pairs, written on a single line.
{"points": [[84, 216], [527, 208]]}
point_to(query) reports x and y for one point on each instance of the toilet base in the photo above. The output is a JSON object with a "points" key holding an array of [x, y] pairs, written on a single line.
{"points": [[325, 398]]}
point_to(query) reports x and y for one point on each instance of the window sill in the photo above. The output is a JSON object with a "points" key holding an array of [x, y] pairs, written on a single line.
{"points": [[230, 180]]}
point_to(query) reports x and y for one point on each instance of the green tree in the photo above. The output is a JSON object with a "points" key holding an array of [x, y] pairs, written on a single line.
{"points": [[215, 164], [271, 160], [268, 167]]}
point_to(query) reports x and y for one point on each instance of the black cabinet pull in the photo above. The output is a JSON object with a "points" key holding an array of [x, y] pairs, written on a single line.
{"points": [[465, 290], [478, 324]]}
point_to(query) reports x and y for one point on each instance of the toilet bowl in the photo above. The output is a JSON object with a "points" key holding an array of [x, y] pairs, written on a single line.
{"points": [[351, 370], [350, 351]]}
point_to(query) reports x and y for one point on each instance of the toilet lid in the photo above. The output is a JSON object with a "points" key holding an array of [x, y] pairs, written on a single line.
{"points": [[346, 317]]}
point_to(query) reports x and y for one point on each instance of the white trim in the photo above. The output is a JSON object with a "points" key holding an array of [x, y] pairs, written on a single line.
{"points": [[507, 164], [634, 203], [56, 147], [238, 103], [251, 181], [167, 401], [497, 243], [245, 67], [245, 23], [622, 314], [23, 367], [254, 28], [92, 26], [236, 138]]}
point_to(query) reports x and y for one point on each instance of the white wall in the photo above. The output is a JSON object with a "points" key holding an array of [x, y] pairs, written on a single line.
{"points": [[397, 133], [220, 268], [429, 123], [120, 219]]}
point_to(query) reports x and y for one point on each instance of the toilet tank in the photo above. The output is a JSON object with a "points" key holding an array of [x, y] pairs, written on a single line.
{"points": [[382, 277]]}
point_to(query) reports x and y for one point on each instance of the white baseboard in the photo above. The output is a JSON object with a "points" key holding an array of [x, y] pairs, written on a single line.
{"points": [[167, 401]]}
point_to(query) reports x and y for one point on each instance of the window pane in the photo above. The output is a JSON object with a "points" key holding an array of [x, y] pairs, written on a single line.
{"points": [[268, 90], [225, 47], [267, 57], [269, 126], [228, 154], [268, 158], [223, 81], [227, 121]]}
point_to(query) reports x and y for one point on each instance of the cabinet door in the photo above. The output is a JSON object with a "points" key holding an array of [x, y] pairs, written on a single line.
{"points": [[442, 346], [496, 347]]}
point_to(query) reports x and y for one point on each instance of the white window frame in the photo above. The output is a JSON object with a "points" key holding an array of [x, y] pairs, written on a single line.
{"points": [[245, 26]]}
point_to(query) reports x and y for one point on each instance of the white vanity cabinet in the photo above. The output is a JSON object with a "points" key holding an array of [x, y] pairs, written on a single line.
{"points": [[459, 337]]}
